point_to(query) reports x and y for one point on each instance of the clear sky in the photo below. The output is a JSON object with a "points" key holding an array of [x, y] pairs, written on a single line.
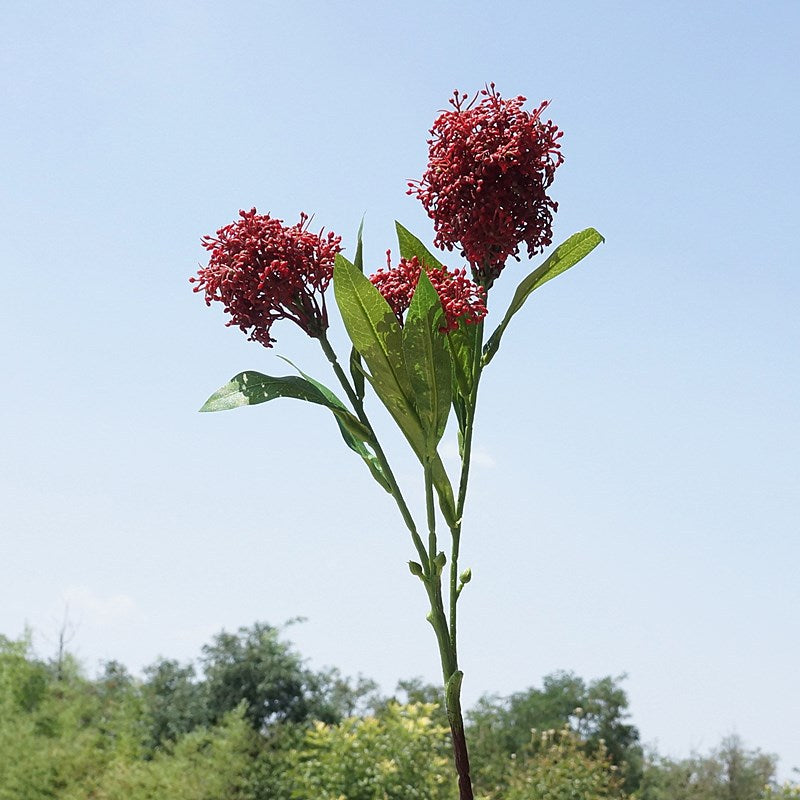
{"points": [[636, 497]]}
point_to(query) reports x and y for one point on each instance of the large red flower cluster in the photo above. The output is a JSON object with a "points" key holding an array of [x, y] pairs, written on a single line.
{"points": [[461, 298], [490, 165], [264, 271]]}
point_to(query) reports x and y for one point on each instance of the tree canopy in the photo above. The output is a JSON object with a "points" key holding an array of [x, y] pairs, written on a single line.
{"points": [[249, 720]]}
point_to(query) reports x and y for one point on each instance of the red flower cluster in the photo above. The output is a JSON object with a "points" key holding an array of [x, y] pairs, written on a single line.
{"points": [[461, 298], [263, 271], [485, 188]]}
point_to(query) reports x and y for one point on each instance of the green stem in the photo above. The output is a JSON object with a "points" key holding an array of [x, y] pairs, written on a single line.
{"points": [[358, 407], [462, 486], [432, 575], [433, 585], [460, 752], [431, 515], [447, 651]]}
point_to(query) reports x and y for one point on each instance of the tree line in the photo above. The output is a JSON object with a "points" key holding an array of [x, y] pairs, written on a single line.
{"points": [[249, 720]]}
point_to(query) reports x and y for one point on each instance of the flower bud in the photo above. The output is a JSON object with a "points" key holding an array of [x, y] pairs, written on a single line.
{"points": [[415, 568], [440, 561], [466, 575]]}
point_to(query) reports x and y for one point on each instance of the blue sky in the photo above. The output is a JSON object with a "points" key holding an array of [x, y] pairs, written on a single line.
{"points": [[636, 499]]}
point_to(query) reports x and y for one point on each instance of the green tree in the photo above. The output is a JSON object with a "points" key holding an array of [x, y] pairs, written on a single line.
{"points": [[255, 666], [784, 791], [414, 690], [57, 735], [23, 679], [596, 712], [206, 764], [342, 696], [176, 701], [556, 766], [401, 755], [730, 772]]}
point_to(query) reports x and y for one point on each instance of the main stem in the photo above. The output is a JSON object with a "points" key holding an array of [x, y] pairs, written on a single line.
{"points": [[455, 530], [433, 585], [453, 683], [447, 650], [445, 635]]}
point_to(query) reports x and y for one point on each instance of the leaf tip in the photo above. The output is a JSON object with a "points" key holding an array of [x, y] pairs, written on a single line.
{"points": [[596, 233]]}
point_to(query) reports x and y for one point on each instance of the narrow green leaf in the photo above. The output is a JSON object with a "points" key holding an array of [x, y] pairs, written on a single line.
{"points": [[410, 246], [444, 489], [374, 466], [357, 373], [462, 343], [375, 333], [252, 388], [565, 256], [355, 434], [428, 361], [356, 370], [461, 418], [358, 262], [344, 416]]}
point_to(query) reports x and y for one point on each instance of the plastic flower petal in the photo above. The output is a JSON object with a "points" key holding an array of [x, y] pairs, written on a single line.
{"points": [[490, 165], [461, 298], [263, 271]]}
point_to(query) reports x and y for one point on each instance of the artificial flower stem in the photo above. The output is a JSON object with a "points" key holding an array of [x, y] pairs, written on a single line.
{"points": [[438, 621], [358, 406], [431, 516], [431, 579], [462, 486], [447, 651], [433, 583], [453, 693], [460, 752]]}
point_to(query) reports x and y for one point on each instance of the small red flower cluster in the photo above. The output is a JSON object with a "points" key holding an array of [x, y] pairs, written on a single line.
{"points": [[461, 298], [485, 188], [264, 271]]}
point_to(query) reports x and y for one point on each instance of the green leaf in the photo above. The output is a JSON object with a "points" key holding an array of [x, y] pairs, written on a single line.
{"points": [[345, 417], [355, 434], [428, 361], [356, 371], [461, 417], [410, 246], [252, 388], [563, 257], [462, 343], [358, 262], [375, 333], [444, 490]]}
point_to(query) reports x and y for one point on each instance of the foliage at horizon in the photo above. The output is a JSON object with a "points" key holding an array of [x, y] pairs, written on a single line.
{"points": [[185, 731]]}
